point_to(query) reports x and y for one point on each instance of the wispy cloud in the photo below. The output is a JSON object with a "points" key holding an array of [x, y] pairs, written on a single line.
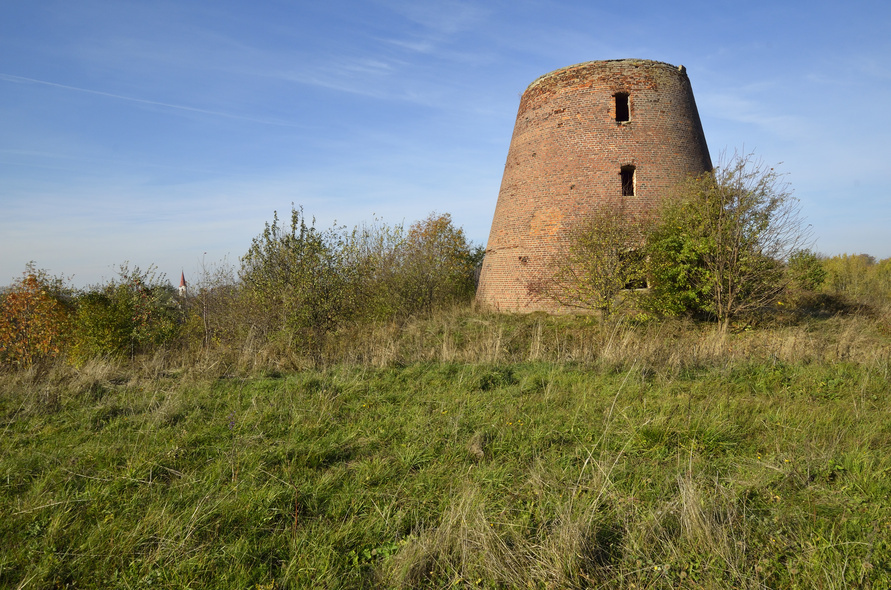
{"points": [[445, 16], [25, 80], [440, 23], [420, 46], [734, 106]]}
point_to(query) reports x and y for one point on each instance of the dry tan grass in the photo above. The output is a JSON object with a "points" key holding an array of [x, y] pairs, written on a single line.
{"points": [[473, 543], [468, 335], [462, 335]]}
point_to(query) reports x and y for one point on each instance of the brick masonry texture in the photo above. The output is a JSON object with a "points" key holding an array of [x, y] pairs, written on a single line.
{"points": [[565, 159]]}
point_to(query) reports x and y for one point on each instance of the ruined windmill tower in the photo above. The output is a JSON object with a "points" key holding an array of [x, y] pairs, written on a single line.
{"points": [[620, 133]]}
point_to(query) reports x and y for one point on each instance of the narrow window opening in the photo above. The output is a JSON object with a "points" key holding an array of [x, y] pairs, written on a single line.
{"points": [[627, 181], [623, 113]]}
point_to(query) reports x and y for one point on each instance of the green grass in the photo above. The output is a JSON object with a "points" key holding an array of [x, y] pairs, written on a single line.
{"points": [[747, 474]]}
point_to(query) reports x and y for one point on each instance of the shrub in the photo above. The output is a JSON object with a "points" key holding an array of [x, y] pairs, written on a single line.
{"points": [[374, 253], [436, 265], [805, 270], [34, 319], [601, 264], [722, 241], [296, 276], [398, 272], [135, 313]]}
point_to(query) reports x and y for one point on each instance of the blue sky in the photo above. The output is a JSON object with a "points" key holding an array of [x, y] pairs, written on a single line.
{"points": [[167, 132]]}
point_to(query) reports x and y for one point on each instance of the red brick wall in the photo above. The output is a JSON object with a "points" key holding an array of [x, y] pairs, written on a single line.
{"points": [[566, 155]]}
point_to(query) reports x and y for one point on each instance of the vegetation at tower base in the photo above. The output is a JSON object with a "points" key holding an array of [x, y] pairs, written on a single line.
{"points": [[724, 245], [722, 241], [601, 265]]}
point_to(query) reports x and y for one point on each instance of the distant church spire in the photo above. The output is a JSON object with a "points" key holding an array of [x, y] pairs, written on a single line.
{"points": [[182, 284]]}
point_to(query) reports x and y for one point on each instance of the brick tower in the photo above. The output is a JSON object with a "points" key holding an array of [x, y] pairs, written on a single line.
{"points": [[618, 132]]}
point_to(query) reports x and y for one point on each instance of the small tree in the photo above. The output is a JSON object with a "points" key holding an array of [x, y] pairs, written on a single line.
{"points": [[723, 239], [214, 306], [296, 277], [373, 252], [848, 273], [436, 265], [601, 264]]}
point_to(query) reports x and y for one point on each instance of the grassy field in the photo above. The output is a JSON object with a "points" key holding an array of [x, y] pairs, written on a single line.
{"points": [[468, 451]]}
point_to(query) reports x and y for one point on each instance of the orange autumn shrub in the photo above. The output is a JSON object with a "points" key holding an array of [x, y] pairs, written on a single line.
{"points": [[34, 322]]}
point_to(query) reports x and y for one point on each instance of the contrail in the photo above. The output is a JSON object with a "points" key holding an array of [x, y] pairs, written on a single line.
{"points": [[12, 78]]}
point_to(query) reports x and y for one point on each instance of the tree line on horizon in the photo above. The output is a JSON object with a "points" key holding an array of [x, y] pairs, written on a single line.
{"points": [[727, 247], [296, 284]]}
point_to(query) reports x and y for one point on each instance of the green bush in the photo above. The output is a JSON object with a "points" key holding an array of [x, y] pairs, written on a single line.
{"points": [[135, 313], [436, 266], [374, 253], [306, 283], [297, 277], [722, 240], [805, 270]]}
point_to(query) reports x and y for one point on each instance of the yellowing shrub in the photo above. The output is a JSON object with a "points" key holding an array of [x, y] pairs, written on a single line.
{"points": [[33, 321]]}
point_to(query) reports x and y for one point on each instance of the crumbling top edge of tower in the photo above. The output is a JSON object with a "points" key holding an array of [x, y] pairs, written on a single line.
{"points": [[630, 62]]}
